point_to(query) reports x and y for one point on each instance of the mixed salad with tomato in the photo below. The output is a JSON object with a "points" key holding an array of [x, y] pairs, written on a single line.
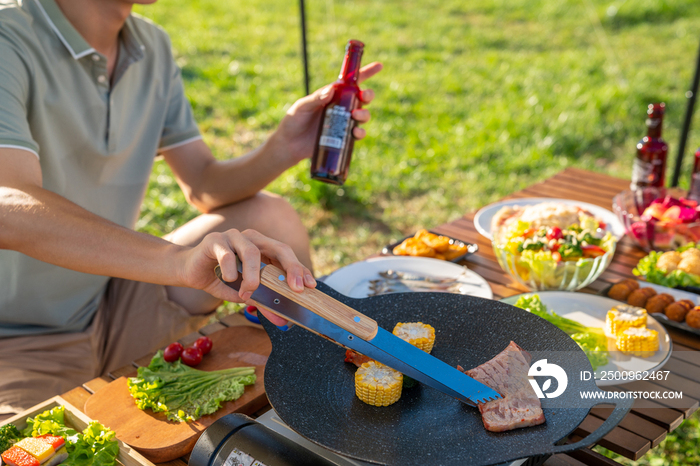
{"points": [[586, 240], [572, 243]]}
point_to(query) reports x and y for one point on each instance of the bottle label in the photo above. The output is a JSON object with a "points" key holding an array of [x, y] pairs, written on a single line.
{"points": [[642, 174], [694, 192], [239, 458], [335, 127], [653, 122]]}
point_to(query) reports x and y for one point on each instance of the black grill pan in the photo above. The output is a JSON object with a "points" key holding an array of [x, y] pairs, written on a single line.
{"points": [[312, 389]]}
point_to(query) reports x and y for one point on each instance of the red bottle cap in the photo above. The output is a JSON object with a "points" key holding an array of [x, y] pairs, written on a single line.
{"points": [[355, 44], [657, 109]]}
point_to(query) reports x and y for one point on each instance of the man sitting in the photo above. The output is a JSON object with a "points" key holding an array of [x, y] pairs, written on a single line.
{"points": [[89, 94]]}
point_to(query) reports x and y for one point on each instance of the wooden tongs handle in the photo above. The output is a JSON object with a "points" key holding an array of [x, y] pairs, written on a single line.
{"points": [[317, 302]]}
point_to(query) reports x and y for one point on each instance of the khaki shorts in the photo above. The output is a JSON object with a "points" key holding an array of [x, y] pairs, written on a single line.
{"points": [[133, 319]]}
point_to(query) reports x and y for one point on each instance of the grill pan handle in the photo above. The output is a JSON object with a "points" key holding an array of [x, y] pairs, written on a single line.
{"points": [[622, 407]]}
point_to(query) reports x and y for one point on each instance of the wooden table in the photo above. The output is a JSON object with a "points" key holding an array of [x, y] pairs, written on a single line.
{"points": [[644, 427]]}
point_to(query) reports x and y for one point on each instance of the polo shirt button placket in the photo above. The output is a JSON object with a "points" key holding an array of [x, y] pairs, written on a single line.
{"points": [[112, 141]]}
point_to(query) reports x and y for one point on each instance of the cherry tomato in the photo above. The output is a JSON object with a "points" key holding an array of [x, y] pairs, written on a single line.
{"points": [[251, 309], [556, 256], [554, 233], [203, 344], [191, 356], [592, 251], [172, 352]]}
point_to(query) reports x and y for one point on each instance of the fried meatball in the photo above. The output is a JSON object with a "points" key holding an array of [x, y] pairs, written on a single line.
{"points": [[658, 303], [692, 252], [690, 264], [639, 297], [668, 261], [622, 290], [678, 310], [693, 317]]}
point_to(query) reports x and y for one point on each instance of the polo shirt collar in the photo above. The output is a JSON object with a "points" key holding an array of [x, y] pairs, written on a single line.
{"points": [[134, 46], [74, 42]]}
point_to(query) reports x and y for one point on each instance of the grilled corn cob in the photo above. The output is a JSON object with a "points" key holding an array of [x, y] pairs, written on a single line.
{"points": [[418, 334], [377, 384], [624, 316], [638, 341]]}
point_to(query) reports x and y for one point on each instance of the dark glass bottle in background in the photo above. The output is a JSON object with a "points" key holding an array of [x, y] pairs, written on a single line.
{"points": [[650, 165], [334, 142], [694, 191]]}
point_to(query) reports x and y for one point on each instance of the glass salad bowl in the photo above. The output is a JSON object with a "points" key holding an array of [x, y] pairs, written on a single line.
{"points": [[548, 274], [658, 219]]}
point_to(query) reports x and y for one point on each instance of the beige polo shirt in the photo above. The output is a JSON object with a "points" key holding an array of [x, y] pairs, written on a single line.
{"points": [[95, 140]]}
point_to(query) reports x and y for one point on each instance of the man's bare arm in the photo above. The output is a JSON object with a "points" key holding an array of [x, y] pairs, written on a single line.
{"points": [[210, 184], [48, 227]]}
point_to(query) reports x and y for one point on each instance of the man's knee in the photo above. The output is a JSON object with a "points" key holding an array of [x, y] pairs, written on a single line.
{"points": [[267, 213]]}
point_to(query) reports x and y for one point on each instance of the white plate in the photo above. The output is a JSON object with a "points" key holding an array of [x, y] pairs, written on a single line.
{"points": [[353, 280], [483, 218], [590, 310]]}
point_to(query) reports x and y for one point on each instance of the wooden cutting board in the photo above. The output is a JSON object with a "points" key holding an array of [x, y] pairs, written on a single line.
{"points": [[152, 434]]}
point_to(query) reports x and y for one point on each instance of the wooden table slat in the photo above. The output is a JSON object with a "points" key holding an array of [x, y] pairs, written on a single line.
{"points": [[669, 419], [592, 458], [77, 397], [685, 353], [562, 460], [144, 360], [652, 411], [548, 190], [126, 371], [187, 340], [594, 184], [176, 462], [237, 319], [598, 177], [599, 187], [95, 384], [211, 328], [601, 190], [635, 424], [683, 368], [675, 382], [686, 405], [618, 440]]}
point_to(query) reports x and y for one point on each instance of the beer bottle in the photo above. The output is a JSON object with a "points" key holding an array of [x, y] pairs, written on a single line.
{"points": [[650, 165], [334, 142], [694, 191]]}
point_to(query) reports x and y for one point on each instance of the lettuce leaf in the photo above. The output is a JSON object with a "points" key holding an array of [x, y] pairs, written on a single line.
{"points": [[50, 422], [540, 263], [183, 393], [591, 340], [102, 443], [94, 446], [647, 269]]}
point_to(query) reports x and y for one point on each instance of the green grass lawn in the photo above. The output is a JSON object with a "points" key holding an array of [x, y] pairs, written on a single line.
{"points": [[477, 100]]}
